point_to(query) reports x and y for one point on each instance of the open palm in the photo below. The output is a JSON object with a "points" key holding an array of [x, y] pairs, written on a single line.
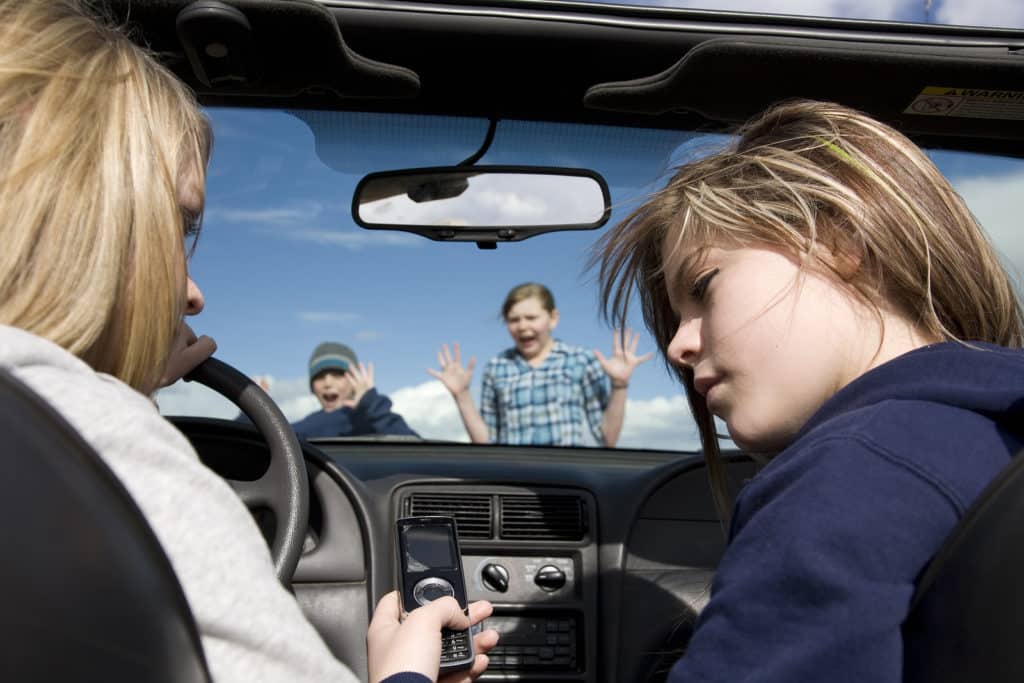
{"points": [[620, 365], [452, 374], [360, 378]]}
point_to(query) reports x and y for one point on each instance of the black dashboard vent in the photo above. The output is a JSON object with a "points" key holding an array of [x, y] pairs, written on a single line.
{"points": [[561, 518], [472, 512]]}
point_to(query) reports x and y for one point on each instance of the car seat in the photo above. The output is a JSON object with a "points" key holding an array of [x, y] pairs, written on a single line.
{"points": [[967, 615], [87, 592]]}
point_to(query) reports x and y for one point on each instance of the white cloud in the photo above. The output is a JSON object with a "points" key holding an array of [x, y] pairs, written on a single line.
{"points": [[300, 215], [353, 239], [512, 206], [192, 398], [288, 215], [497, 200], [430, 410], [293, 397], [1006, 13], [367, 335], [326, 317], [660, 423]]}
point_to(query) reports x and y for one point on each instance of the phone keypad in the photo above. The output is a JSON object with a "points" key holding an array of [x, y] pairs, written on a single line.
{"points": [[454, 646]]}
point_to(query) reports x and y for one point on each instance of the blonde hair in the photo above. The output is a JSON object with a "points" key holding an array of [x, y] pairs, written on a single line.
{"points": [[826, 182], [96, 142], [528, 290]]}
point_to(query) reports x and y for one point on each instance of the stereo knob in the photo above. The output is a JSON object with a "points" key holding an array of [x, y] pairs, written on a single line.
{"points": [[550, 578], [495, 578]]}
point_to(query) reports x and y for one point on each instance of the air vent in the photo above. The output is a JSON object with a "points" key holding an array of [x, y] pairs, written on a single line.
{"points": [[472, 512], [560, 518]]}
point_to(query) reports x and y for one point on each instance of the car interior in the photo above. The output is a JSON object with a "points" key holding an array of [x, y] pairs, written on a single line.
{"points": [[598, 560]]}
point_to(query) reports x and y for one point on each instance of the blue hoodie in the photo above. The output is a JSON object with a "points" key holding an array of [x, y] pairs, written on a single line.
{"points": [[827, 540], [372, 415]]}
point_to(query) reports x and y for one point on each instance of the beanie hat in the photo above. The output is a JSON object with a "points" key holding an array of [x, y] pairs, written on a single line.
{"points": [[330, 356]]}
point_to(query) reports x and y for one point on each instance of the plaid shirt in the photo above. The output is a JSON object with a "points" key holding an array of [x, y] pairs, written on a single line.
{"points": [[546, 405]]}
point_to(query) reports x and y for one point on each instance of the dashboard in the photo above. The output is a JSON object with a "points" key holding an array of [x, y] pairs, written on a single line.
{"points": [[597, 563]]}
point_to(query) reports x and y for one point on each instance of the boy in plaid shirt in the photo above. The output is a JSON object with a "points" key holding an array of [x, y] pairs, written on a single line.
{"points": [[541, 391]]}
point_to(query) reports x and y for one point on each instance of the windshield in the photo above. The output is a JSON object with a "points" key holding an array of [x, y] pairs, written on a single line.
{"points": [[284, 267]]}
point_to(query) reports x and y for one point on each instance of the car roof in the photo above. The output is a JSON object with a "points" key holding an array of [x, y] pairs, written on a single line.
{"points": [[601, 64]]}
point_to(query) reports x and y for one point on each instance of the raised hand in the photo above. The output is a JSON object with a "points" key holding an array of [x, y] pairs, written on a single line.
{"points": [[623, 361], [453, 376], [360, 378]]}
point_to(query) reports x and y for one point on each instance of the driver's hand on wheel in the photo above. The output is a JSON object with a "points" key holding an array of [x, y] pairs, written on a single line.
{"points": [[414, 645], [187, 351]]}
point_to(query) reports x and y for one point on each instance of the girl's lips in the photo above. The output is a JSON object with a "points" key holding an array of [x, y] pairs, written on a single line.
{"points": [[704, 384]]}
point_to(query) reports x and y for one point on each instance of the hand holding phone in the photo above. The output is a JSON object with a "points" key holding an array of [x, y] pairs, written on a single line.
{"points": [[430, 567], [412, 646]]}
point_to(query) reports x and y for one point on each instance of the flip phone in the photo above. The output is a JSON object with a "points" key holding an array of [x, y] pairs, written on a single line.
{"points": [[430, 567]]}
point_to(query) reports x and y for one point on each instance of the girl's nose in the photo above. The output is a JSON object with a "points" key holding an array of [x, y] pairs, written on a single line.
{"points": [[685, 347], [194, 301]]}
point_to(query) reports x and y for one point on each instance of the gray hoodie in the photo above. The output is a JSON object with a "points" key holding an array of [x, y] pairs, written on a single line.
{"points": [[252, 629]]}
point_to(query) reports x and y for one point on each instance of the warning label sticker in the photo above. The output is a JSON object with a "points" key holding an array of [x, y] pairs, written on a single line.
{"points": [[969, 103]]}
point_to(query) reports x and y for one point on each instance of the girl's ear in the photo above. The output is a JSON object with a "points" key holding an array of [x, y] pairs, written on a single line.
{"points": [[554, 318], [847, 263], [844, 260]]}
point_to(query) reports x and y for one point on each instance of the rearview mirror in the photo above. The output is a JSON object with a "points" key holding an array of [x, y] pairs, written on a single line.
{"points": [[483, 204]]}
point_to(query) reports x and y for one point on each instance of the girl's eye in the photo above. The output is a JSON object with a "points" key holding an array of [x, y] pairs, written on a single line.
{"points": [[700, 287], [190, 229], [189, 222]]}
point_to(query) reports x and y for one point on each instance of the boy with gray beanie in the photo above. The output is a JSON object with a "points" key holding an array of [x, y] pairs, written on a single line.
{"points": [[350, 405]]}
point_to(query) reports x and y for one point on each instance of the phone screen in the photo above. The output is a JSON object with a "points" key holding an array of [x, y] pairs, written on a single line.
{"points": [[428, 548]]}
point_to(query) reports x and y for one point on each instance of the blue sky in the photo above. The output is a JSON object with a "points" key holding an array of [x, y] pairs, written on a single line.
{"points": [[284, 267]]}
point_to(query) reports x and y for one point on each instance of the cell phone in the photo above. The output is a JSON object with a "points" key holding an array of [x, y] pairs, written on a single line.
{"points": [[430, 567]]}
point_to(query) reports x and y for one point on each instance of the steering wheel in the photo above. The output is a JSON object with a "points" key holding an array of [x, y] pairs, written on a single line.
{"points": [[284, 487]]}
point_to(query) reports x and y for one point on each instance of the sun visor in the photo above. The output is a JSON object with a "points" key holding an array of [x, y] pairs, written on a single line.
{"points": [[928, 90], [260, 48]]}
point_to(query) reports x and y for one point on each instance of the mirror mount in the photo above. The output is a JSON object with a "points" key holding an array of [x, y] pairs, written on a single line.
{"points": [[488, 139]]}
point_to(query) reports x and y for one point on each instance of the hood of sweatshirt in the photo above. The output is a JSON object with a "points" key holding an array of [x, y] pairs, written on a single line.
{"points": [[981, 378]]}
